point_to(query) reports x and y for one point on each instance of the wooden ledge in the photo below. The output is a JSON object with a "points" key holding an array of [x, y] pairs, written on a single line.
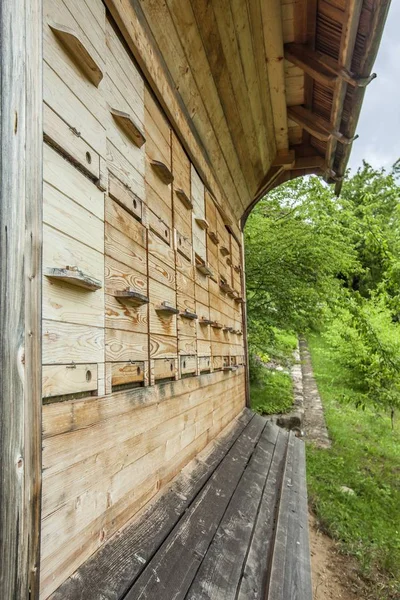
{"points": [[76, 48], [216, 325], [202, 223], [186, 314], [74, 276], [167, 309], [213, 237], [205, 322], [132, 297], [225, 287], [126, 123], [162, 171], [204, 269], [184, 198], [224, 251]]}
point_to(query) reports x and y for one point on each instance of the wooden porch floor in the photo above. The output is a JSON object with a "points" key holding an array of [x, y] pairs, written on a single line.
{"points": [[232, 526]]}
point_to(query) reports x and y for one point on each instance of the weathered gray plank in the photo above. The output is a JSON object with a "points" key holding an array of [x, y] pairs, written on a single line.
{"points": [[297, 581], [171, 572], [220, 571], [115, 567], [254, 579], [20, 295], [290, 571]]}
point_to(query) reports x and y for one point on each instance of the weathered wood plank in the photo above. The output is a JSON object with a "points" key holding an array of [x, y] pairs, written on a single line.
{"points": [[254, 580], [221, 569], [187, 544], [21, 134], [124, 558]]}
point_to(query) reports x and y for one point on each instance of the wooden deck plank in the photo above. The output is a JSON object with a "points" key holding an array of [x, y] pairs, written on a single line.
{"points": [[220, 571], [297, 580], [232, 526], [171, 572], [290, 574], [254, 579], [113, 569]]}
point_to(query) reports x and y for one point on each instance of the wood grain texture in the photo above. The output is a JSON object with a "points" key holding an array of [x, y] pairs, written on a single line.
{"points": [[21, 131], [188, 542], [118, 444], [123, 559]]}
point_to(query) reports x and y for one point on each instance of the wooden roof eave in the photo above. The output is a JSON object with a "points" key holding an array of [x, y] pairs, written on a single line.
{"points": [[369, 55]]}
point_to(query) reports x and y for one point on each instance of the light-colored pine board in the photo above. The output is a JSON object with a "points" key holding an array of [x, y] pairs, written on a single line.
{"points": [[122, 345], [66, 343], [60, 380]]}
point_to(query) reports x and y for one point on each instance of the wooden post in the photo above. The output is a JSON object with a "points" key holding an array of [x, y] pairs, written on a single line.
{"points": [[20, 296], [244, 325]]}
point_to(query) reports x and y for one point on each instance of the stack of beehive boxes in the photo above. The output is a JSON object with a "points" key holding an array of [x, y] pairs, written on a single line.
{"points": [[142, 279]]}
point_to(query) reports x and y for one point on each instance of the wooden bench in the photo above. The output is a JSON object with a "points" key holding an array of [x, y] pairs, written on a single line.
{"points": [[232, 525]]}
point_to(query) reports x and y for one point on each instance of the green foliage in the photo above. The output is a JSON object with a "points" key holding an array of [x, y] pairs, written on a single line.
{"points": [[365, 456], [295, 246], [272, 392], [367, 343], [312, 258]]}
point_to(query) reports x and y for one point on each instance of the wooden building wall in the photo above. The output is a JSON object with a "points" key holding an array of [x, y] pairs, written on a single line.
{"points": [[142, 294]]}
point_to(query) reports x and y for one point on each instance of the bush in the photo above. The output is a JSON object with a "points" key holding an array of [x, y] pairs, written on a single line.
{"points": [[272, 393]]}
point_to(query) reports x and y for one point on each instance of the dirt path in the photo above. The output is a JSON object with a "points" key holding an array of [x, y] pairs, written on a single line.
{"points": [[334, 576]]}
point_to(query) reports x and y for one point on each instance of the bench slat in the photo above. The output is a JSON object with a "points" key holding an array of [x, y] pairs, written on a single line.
{"points": [[171, 572], [110, 572], [220, 572]]}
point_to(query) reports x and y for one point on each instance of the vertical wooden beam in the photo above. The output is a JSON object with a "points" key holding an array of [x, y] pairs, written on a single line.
{"points": [[244, 326], [20, 296]]}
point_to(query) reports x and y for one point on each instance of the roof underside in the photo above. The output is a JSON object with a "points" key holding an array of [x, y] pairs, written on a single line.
{"points": [[269, 89]]}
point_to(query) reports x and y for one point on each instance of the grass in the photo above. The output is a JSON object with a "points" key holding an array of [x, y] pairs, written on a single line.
{"points": [[272, 392], [365, 456]]}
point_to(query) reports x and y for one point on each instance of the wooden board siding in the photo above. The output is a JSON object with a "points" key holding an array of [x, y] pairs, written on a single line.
{"points": [[104, 458], [124, 204]]}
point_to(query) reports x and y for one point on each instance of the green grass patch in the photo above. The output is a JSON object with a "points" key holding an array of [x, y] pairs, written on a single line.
{"points": [[365, 456], [272, 392]]}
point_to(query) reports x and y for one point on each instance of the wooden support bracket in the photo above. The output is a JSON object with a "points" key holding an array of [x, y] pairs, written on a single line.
{"points": [[166, 308], [162, 171], [213, 237], [202, 223], [76, 48], [316, 125], [126, 123], [186, 314], [132, 297], [74, 276], [216, 325], [184, 198]]}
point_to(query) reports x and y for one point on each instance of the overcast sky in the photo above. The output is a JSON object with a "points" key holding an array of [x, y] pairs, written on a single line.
{"points": [[379, 124]]}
